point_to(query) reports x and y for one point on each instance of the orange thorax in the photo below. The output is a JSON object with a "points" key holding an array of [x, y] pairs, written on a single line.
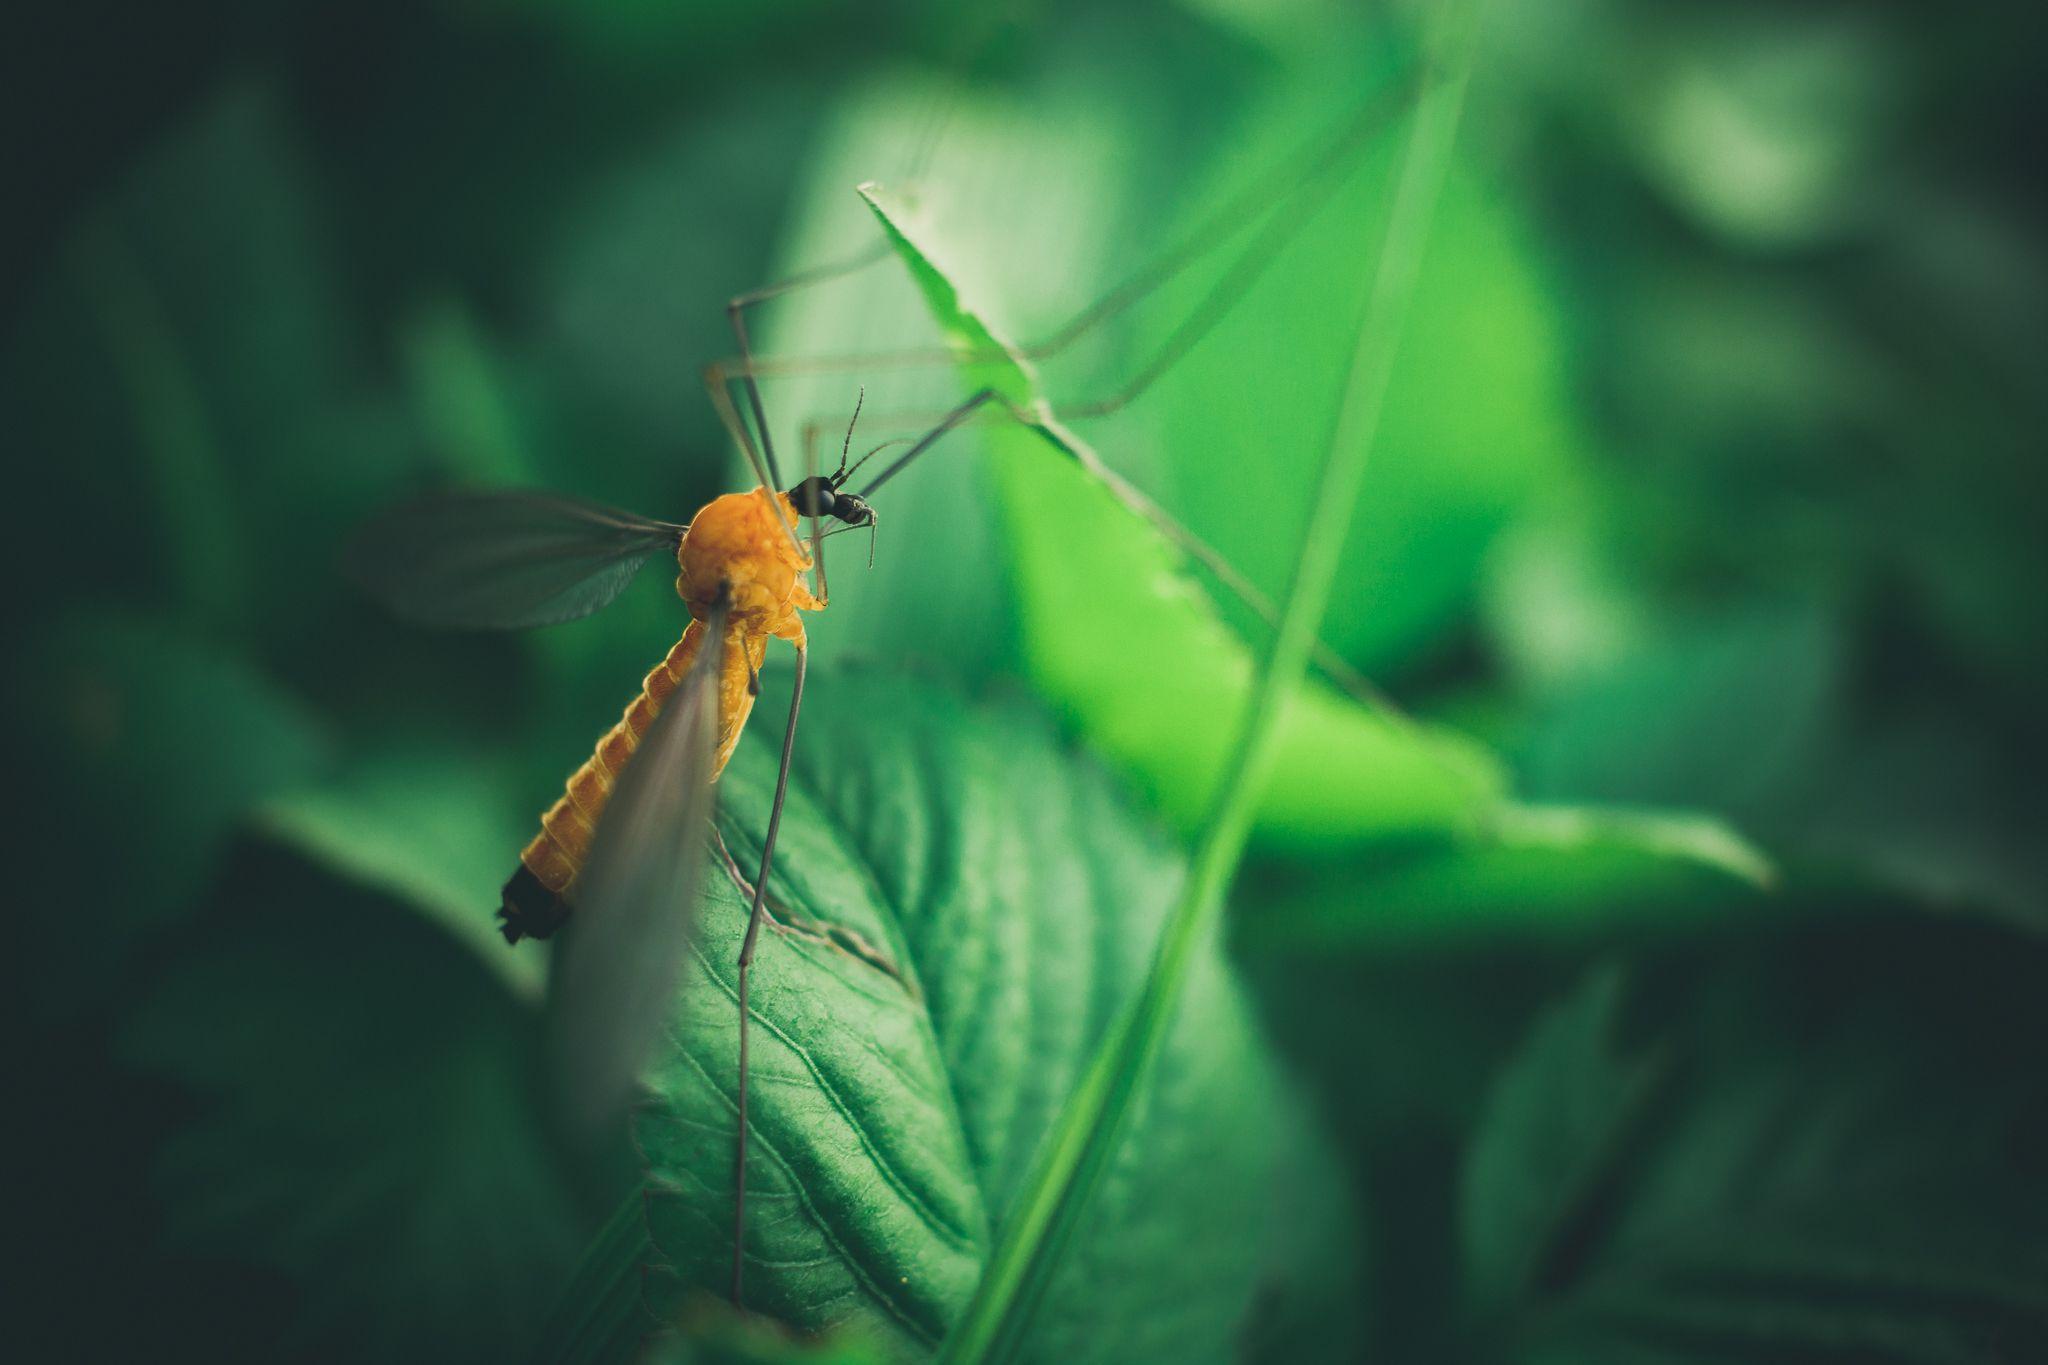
{"points": [[736, 541]]}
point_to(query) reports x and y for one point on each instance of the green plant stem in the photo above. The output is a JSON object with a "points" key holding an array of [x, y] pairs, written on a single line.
{"points": [[1084, 1139]]}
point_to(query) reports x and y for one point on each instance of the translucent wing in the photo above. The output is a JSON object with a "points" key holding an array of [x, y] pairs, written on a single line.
{"points": [[622, 951], [502, 561]]}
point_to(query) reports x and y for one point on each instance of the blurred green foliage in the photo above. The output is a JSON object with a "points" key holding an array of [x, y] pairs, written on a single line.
{"points": [[1699, 1021]]}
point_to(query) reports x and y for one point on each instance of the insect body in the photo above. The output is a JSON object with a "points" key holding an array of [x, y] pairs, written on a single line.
{"points": [[737, 546], [622, 847]]}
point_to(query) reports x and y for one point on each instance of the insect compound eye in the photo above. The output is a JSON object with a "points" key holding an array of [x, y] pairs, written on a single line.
{"points": [[854, 511], [815, 497]]}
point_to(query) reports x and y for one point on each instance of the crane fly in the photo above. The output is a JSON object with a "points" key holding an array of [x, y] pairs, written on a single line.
{"points": [[619, 844], [619, 856]]}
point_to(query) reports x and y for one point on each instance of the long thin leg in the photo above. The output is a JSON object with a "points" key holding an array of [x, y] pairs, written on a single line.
{"points": [[1314, 178], [735, 311], [1311, 175], [746, 962], [931, 438], [1236, 281], [714, 386], [1129, 494], [1314, 172], [1329, 661]]}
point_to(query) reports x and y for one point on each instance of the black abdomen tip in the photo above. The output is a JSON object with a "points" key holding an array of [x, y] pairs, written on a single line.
{"points": [[529, 909]]}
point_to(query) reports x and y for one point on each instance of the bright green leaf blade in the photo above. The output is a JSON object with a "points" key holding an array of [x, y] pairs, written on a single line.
{"points": [[1829, 1142], [1479, 423], [1695, 841], [987, 359], [1117, 632], [1543, 870], [970, 905]]}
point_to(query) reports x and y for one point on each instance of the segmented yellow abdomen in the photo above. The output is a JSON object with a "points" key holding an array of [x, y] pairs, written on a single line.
{"points": [[557, 853]]}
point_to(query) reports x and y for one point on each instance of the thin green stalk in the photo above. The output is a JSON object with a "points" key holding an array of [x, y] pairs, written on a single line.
{"points": [[1084, 1138]]}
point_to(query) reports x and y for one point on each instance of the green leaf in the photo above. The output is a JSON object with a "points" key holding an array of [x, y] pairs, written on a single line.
{"points": [[1053, 145], [1116, 630], [430, 826], [1570, 1105], [1530, 870], [364, 1122], [1097, 585], [1654, 727], [713, 1332], [628, 295], [1939, 806], [152, 740], [966, 906], [1480, 425], [198, 353], [1826, 1146]]}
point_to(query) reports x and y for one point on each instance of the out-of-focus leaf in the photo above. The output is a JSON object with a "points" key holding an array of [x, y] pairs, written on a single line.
{"points": [[1762, 125], [148, 740], [1723, 712], [938, 590], [366, 1122], [1827, 1146], [212, 293], [1319, 1298], [643, 39], [630, 299], [1478, 425], [1673, 837], [1570, 1103], [1556, 606], [1531, 871], [1097, 586], [967, 907], [1932, 805], [1630, 701], [1399, 1044], [464, 400], [431, 827], [710, 1331]]}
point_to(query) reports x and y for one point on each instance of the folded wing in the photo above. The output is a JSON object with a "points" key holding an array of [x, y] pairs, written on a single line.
{"points": [[621, 955]]}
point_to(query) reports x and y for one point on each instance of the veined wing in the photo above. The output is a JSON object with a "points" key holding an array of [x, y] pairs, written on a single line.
{"points": [[635, 902], [502, 560]]}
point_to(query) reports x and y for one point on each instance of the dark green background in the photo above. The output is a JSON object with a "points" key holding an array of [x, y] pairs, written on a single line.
{"points": [[1712, 481]]}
